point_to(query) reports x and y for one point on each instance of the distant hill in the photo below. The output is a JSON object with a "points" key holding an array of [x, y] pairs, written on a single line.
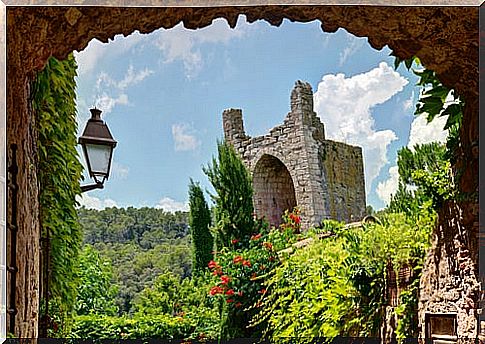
{"points": [[141, 243]]}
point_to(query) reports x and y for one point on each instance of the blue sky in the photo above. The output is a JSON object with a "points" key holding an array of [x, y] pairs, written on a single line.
{"points": [[163, 94]]}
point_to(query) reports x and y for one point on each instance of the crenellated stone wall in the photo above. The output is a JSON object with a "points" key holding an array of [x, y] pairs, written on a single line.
{"points": [[294, 165]]}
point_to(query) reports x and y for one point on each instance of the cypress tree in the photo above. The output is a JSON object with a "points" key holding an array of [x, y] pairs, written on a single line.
{"points": [[199, 222], [234, 209]]}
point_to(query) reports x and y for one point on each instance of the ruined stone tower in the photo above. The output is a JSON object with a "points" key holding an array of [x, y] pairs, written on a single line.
{"points": [[294, 165]]}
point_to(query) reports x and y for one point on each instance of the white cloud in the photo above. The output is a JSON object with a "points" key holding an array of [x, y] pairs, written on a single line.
{"points": [[88, 58], [106, 103], [132, 78], [408, 103], [344, 105], [106, 86], [184, 138], [388, 187], [424, 132], [421, 132], [179, 43], [119, 171], [351, 49], [171, 205], [91, 202]]}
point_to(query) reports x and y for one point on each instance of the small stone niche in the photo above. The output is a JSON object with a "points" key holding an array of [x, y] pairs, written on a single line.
{"points": [[441, 328]]}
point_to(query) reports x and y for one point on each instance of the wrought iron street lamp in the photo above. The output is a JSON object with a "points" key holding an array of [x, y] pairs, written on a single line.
{"points": [[98, 145]]}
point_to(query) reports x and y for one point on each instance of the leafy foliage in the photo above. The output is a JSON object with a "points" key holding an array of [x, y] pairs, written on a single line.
{"points": [[96, 289], [233, 210], [140, 244], [238, 278], [436, 100], [427, 170], [59, 176], [187, 299], [199, 223], [335, 286], [160, 326]]}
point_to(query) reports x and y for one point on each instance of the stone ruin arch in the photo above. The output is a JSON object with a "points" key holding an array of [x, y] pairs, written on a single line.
{"points": [[294, 165], [274, 190]]}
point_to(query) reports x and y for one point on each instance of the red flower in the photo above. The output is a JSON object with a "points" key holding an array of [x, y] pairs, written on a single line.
{"points": [[240, 293], [216, 290], [230, 292], [229, 300], [295, 218], [225, 279], [246, 263], [262, 291], [234, 241], [256, 237], [237, 259], [237, 305], [268, 245], [212, 264], [217, 272]]}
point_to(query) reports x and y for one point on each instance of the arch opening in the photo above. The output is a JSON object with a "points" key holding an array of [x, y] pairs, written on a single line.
{"points": [[274, 192]]}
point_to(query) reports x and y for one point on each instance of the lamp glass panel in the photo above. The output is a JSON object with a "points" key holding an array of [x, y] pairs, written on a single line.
{"points": [[99, 156]]}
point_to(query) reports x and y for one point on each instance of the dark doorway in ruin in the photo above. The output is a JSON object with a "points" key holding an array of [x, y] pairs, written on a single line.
{"points": [[274, 191]]}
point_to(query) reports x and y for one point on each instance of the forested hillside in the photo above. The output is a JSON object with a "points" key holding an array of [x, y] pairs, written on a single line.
{"points": [[140, 243]]}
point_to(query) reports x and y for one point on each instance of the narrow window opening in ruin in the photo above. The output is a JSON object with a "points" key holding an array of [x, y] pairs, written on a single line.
{"points": [[441, 328]]}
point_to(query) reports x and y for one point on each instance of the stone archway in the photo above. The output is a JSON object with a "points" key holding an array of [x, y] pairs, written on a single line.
{"points": [[445, 39], [274, 191]]}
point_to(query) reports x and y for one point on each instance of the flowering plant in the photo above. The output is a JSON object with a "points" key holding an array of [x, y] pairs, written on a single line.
{"points": [[239, 273]]}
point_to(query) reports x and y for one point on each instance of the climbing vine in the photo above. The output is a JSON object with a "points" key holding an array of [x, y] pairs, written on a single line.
{"points": [[59, 175]]}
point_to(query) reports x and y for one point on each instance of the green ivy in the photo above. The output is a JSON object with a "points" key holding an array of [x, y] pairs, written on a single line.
{"points": [[59, 174]]}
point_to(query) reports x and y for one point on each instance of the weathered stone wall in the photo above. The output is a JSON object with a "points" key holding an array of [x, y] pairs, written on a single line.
{"points": [[345, 182], [449, 281], [293, 165]]}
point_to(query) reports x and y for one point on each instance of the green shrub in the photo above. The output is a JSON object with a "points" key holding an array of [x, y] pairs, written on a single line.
{"points": [[233, 209], [239, 274], [336, 286], [199, 222]]}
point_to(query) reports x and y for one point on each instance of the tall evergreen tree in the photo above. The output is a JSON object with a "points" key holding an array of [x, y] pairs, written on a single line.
{"points": [[199, 222], [234, 196]]}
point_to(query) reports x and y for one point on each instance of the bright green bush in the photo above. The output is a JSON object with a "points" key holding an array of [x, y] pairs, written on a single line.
{"points": [[336, 286], [96, 292], [171, 308], [155, 326]]}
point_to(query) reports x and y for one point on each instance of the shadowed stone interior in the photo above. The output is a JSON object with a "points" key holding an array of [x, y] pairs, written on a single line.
{"points": [[273, 189]]}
